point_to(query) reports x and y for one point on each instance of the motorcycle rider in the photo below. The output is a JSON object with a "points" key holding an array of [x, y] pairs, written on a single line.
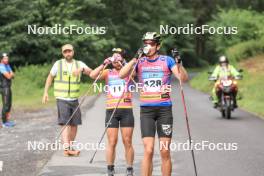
{"points": [[223, 70]]}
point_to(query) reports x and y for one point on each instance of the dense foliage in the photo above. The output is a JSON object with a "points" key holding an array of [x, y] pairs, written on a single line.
{"points": [[125, 22]]}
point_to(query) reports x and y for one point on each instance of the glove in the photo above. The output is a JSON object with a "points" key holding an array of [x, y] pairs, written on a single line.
{"points": [[211, 78], [139, 53], [239, 77], [178, 60], [107, 61], [175, 54]]}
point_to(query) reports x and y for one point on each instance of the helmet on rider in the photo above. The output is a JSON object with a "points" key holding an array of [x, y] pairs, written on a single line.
{"points": [[223, 60]]}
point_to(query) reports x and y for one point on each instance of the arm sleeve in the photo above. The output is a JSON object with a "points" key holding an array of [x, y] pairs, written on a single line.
{"points": [[54, 69], [82, 64], [9, 68], [170, 62], [2, 69]]}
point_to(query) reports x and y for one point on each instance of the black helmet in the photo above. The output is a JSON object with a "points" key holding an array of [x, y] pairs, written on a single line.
{"points": [[152, 36], [223, 59]]}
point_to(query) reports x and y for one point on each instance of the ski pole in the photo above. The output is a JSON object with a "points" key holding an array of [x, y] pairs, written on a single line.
{"points": [[176, 55]]}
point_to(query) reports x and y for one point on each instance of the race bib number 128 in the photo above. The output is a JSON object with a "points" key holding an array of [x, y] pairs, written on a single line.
{"points": [[152, 84]]}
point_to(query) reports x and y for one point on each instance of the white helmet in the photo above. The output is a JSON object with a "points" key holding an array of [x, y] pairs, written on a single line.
{"points": [[223, 59]]}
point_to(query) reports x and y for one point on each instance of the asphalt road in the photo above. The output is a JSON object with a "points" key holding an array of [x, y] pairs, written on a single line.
{"points": [[244, 133]]}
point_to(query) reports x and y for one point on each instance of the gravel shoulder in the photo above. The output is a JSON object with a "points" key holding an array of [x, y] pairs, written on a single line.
{"points": [[40, 125]]}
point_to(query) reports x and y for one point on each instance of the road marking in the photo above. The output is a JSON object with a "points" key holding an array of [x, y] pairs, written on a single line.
{"points": [[1, 166]]}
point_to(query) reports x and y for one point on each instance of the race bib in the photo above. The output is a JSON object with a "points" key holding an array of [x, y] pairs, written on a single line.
{"points": [[152, 84], [116, 88]]}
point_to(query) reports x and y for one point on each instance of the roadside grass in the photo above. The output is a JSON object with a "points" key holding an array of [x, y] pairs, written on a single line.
{"points": [[251, 87], [32, 98]]}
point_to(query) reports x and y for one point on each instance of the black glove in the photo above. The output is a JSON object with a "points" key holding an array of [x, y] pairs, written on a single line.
{"points": [[178, 60], [175, 54], [139, 53]]}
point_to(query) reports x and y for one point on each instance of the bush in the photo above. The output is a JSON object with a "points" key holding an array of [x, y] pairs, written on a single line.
{"points": [[250, 26], [34, 75], [245, 50]]}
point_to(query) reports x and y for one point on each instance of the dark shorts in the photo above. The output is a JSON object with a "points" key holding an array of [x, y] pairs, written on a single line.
{"points": [[122, 117], [65, 111], [154, 119]]}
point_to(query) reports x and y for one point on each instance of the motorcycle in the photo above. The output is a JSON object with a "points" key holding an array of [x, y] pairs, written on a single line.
{"points": [[226, 88]]}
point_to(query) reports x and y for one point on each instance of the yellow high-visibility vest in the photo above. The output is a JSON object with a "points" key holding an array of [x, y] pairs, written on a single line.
{"points": [[66, 85]]}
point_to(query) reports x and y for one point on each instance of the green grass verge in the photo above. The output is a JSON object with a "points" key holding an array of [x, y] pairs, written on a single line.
{"points": [[31, 98], [28, 87]]}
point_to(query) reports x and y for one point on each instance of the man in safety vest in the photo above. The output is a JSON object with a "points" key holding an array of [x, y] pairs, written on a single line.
{"points": [[224, 69], [123, 116], [67, 73], [154, 73]]}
